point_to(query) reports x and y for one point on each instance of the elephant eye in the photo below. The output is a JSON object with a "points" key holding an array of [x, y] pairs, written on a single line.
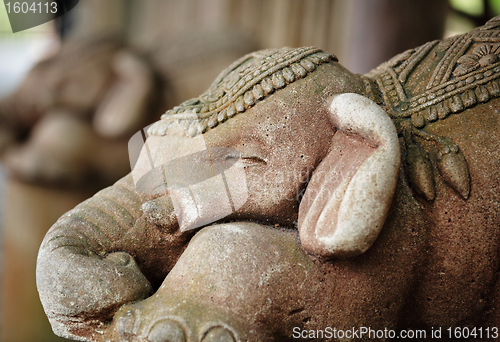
{"points": [[253, 159], [247, 161], [233, 158]]}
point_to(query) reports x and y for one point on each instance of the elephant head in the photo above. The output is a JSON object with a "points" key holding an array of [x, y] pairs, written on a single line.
{"points": [[344, 147], [282, 137]]}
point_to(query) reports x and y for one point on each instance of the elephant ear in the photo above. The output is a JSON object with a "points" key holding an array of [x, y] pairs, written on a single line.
{"points": [[123, 109], [348, 197]]}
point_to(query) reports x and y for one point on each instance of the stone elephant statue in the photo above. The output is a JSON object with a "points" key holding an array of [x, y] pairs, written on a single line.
{"points": [[70, 120], [294, 199]]}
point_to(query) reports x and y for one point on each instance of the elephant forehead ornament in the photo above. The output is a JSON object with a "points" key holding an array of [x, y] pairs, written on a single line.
{"points": [[278, 111], [246, 82]]}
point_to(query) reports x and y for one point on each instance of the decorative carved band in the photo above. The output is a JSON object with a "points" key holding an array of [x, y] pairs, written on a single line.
{"points": [[467, 73], [246, 82]]}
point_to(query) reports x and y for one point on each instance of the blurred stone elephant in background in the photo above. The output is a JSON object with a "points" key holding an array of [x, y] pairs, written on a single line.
{"points": [[71, 118], [339, 200]]}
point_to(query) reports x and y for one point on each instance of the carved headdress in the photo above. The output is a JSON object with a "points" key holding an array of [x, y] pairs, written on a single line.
{"points": [[244, 83], [429, 83]]}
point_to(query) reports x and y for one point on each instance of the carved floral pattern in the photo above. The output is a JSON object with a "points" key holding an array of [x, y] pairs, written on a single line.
{"points": [[481, 56]]}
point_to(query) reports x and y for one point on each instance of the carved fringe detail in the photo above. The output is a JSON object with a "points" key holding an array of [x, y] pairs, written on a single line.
{"points": [[454, 169], [239, 88], [371, 90], [451, 97], [450, 161], [457, 103], [420, 172]]}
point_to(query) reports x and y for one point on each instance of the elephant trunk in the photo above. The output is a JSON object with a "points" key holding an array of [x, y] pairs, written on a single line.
{"points": [[80, 280]]}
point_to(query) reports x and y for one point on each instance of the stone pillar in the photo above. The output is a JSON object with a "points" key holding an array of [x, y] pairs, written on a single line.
{"points": [[28, 212], [376, 30]]}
